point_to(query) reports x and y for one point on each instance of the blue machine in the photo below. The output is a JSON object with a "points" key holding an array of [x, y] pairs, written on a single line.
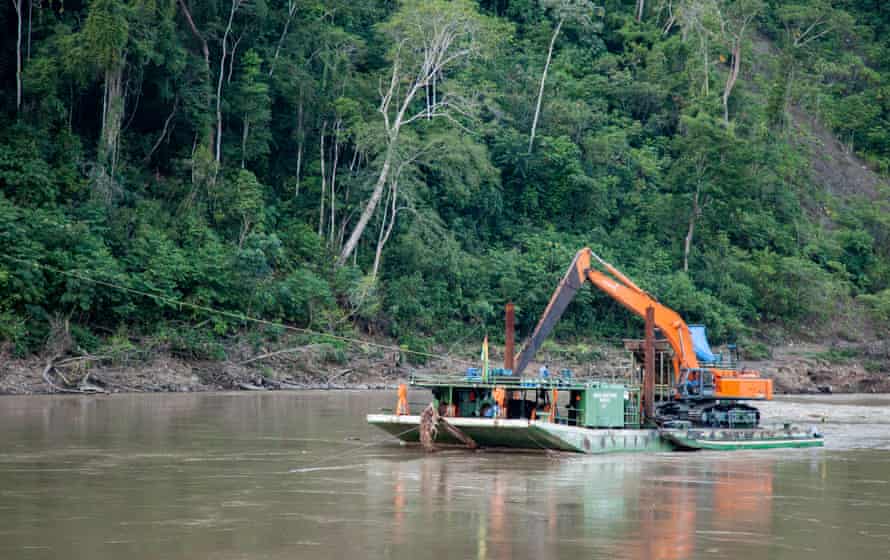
{"points": [[700, 344]]}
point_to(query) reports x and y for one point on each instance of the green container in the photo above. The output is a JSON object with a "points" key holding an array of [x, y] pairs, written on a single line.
{"points": [[602, 406]]}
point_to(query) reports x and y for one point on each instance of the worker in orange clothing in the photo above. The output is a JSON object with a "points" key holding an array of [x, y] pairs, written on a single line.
{"points": [[402, 406], [500, 397]]}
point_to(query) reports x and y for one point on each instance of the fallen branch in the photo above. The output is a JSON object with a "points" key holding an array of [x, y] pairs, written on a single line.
{"points": [[87, 358], [49, 367], [339, 375], [251, 387]]}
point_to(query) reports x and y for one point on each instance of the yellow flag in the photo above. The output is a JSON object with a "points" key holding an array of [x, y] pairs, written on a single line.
{"points": [[485, 359]]}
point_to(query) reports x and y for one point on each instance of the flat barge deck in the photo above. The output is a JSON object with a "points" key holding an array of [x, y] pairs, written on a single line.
{"points": [[559, 413]]}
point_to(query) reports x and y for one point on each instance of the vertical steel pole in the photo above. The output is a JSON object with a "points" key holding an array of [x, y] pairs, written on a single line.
{"points": [[509, 336], [649, 367]]}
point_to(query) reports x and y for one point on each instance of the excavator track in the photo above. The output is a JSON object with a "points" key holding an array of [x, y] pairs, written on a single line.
{"points": [[709, 414]]}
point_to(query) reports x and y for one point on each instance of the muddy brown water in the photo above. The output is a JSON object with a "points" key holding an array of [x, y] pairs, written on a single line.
{"points": [[300, 475]]}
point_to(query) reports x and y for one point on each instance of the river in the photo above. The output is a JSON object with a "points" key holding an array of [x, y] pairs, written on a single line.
{"points": [[299, 475]]}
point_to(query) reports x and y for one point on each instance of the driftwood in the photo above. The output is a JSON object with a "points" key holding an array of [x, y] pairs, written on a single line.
{"points": [[286, 386], [84, 388], [251, 387], [340, 374]]}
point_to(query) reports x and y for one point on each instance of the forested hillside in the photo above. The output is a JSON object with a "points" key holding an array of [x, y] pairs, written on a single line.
{"points": [[404, 168]]}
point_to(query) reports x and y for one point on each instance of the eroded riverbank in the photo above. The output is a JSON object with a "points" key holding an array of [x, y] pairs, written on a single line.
{"points": [[795, 369]]}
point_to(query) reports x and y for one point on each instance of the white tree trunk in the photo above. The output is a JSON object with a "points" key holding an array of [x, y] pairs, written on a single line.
{"points": [[299, 144], [112, 117], [30, 14], [323, 181], [17, 4], [693, 217], [334, 164], [245, 131], [368, 211], [441, 51], [222, 71], [205, 51], [641, 7], [291, 10], [531, 140], [386, 228], [733, 76], [707, 65]]}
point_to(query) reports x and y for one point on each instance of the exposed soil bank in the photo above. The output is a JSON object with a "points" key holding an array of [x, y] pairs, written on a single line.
{"points": [[802, 368]]}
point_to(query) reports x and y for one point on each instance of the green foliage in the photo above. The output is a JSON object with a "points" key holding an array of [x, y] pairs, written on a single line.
{"points": [[838, 355], [415, 349], [105, 34], [632, 157], [878, 306]]}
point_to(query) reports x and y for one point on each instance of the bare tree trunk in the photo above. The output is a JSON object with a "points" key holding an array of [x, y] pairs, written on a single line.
{"points": [[245, 229], [531, 140], [323, 182], [205, 50], [703, 42], [299, 143], [299, 164], [380, 232], [693, 217], [244, 134], [222, 71], [641, 7], [30, 14], [439, 54], [334, 178], [368, 211], [17, 4], [291, 10], [733, 76], [232, 58], [385, 230], [112, 117], [164, 131]]}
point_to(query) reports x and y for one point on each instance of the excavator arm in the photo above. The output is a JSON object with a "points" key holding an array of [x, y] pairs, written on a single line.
{"points": [[729, 383]]}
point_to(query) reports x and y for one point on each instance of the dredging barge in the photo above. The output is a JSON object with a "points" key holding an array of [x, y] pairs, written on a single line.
{"points": [[692, 400], [560, 414]]}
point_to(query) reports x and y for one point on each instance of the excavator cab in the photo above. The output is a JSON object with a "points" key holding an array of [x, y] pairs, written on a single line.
{"points": [[696, 384]]}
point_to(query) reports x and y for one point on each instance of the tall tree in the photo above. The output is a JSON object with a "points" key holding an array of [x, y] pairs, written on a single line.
{"points": [[17, 4], [253, 105], [209, 131], [430, 39], [106, 33], [580, 11], [233, 9], [735, 20]]}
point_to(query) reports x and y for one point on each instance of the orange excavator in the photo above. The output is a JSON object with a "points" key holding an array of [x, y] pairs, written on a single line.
{"points": [[705, 393]]}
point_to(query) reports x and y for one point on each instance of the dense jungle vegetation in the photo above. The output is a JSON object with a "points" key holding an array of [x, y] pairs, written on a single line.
{"points": [[404, 168]]}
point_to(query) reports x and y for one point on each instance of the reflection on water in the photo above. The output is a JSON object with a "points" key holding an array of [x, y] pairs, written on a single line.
{"points": [[293, 475], [623, 507]]}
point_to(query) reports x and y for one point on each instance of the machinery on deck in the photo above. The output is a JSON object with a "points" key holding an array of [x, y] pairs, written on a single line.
{"points": [[705, 393]]}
